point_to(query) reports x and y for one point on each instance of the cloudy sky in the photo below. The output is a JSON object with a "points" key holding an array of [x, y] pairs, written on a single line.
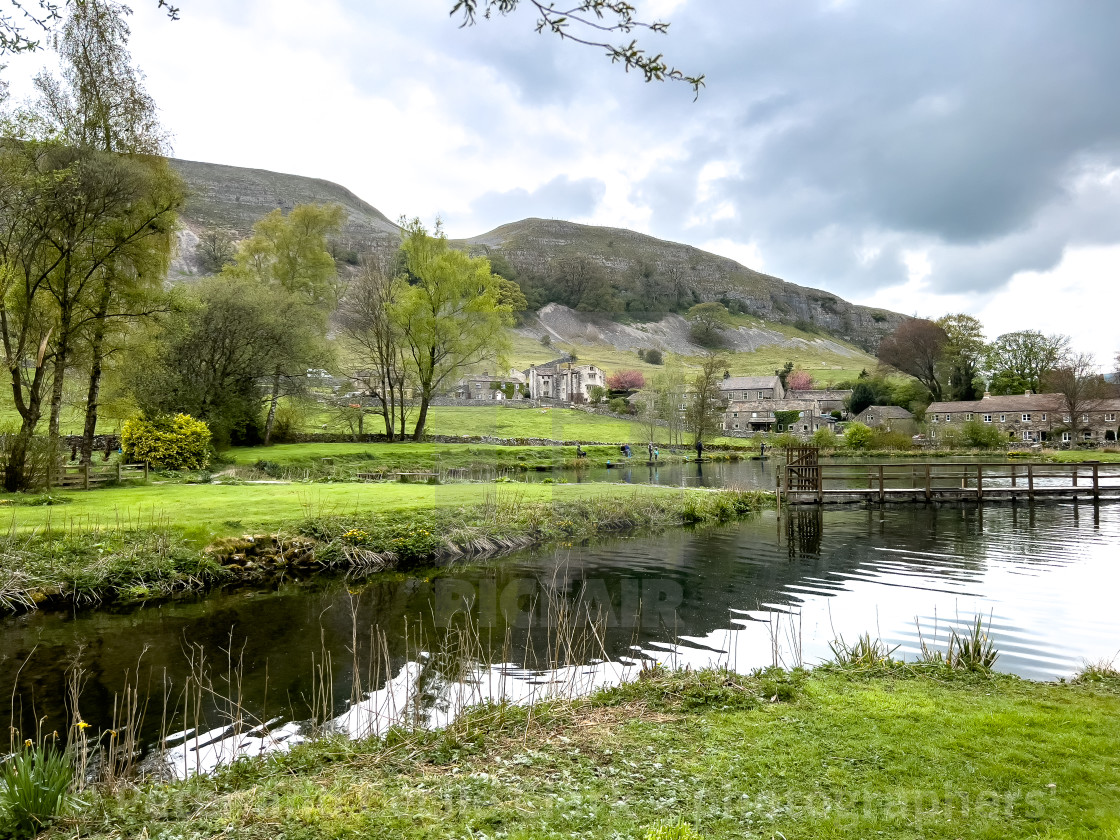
{"points": [[928, 156]]}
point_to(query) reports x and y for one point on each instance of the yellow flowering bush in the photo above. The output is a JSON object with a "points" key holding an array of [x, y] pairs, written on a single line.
{"points": [[172, 442]]}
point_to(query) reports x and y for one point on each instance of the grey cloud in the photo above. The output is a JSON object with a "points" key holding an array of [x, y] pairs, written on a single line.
{"points": [[560, 198]]}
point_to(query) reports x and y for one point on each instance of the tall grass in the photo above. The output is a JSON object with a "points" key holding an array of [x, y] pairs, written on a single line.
{"points": [[972, 650]]}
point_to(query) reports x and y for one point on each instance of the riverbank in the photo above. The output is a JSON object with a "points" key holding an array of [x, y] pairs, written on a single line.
{"points": [[114, 555], [904, 752]]}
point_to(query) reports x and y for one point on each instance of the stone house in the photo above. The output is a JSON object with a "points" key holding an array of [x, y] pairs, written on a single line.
{"points": [[563, 380], [893, 418], [747, 388], [1030, 418], [827, 398], [483, 386], [747, 417]]}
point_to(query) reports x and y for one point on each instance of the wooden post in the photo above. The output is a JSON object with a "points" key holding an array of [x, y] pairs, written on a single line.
{"points": [[1075, 475], [979, 483], [882, 495], [1013, 479], [85, 475], [1096, 481], [145, 471], [819, 470], [118, 472], [929, 485], [1030, 482]]}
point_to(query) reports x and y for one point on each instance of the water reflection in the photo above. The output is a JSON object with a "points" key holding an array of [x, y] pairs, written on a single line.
{"points": [[774, 589]]}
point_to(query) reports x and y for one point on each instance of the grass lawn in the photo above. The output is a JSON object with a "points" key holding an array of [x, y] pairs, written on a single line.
{"points": [[1077, 456], [204, 511], [838, 756]]}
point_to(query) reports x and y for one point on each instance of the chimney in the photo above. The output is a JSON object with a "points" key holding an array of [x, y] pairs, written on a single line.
{"points": [[987, 395], [1028, 393]]}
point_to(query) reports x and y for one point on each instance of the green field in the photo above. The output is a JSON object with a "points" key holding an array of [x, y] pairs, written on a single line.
{"points": [[204, 511]]}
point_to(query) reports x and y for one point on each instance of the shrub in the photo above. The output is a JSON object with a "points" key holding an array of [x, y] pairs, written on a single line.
{"points": [[858, 436], [885, 439], [287, 423], [982, 435], [653, 357], [619, 405], [598, 394], [34, 788], [953, 437], [173, 442], [546, 340], [825, 438]]}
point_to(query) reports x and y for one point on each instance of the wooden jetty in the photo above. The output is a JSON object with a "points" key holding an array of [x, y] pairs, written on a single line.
{"points": [[805, 481]]}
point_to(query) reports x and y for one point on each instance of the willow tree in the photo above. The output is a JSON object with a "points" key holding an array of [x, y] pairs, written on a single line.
{"points": [[452, 315], [99, 103]]}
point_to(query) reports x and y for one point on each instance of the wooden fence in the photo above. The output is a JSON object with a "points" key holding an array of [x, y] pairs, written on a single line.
{"points": [[83, 476]]}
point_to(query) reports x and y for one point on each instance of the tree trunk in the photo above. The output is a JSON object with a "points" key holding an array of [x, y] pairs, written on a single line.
{"points": [[56, 394], [272, 408], [422, 419], [93, 396], [15, 471]]}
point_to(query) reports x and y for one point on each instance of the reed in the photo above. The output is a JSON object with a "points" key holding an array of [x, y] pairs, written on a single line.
{"points": [[865, 654], [974, 650]]}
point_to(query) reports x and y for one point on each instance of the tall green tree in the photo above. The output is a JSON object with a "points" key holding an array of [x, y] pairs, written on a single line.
{"points": [[290, 255], [963, 356], [1020, 361], [705, 402], [917, 348], [99, 102], [452, 314]]}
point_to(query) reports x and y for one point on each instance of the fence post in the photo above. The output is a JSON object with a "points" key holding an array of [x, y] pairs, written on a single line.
{"points": [[85, 476], [1096, 482], [979, 483], [1030, 482], [1014, 481], [1075, 467], [929, 485], [882, 495], [118, 472], [145, 471]]}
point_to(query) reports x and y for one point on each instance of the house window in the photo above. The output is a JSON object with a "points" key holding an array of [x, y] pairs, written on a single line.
{"points": [[804, 428], [1065, 418], [968, 416], [1088, 435], [1110, 418], [1065, 437], [781, 428], [1028, 435], [1084, 418], [1026, 418], [987, 418], [935, 417], [870, 418], [736, 425], [1043, 418], [761, 395], [754, 414], [735, 414], [1003, 418]]}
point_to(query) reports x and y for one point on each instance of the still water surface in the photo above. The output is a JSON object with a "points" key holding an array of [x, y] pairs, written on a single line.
{"points": [[1046, 579]]}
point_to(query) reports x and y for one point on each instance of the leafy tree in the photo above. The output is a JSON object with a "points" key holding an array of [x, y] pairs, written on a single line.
{"points": [[581, 283], [99, 103], [916, 348], [783, 374], [290, 255], [800, 380], [1081, 387], [983, 435], [705, 404], [1020, 361], [668, 391], [215, 250], [963, 356], [708, 321], [653, 356], [863, 396], [368, 327], [626, 380], [451, 317], [211, 354], [40, 18]]}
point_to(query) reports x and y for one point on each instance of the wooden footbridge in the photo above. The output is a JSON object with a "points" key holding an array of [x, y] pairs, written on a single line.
{"points": [[805, 481]]}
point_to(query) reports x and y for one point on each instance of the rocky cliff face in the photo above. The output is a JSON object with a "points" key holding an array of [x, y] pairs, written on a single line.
{"points": [[233, 199], [531, 244]]}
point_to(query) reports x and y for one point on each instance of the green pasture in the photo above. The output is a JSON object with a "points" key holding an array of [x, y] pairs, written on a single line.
{"points": [[204, 511]]}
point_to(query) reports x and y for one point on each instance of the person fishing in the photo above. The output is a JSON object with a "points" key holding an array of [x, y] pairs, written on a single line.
{"points": [[699, 449], [579, 452], [649, 446]]}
